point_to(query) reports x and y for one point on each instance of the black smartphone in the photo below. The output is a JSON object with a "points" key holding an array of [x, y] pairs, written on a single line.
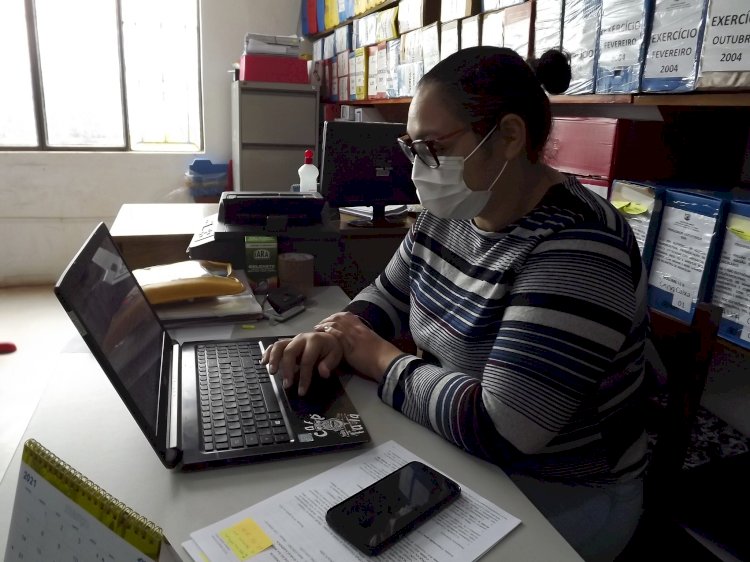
{"points": [[377, 516], [283, 299]]}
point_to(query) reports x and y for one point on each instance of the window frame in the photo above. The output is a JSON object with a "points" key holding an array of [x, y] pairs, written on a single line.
{"points": [[38, 95]]}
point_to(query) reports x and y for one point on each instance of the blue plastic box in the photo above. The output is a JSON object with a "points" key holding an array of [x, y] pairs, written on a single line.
{"points": [[206, 179]]}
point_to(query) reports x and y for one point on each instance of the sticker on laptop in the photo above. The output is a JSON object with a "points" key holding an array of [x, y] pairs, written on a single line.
{"points": [[343, 425]]}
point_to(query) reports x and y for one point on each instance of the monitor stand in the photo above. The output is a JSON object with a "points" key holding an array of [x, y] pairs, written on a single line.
{"points": [[379, 220]]}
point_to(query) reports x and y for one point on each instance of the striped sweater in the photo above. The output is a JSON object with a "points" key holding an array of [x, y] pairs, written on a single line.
{"points": [[532, 337]]}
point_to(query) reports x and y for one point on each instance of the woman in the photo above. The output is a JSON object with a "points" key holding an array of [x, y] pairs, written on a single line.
{"points": [[526, 294]]}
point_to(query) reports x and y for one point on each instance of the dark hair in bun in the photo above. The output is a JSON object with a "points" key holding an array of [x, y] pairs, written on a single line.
{"points": [[483, 84], [553, 71]]}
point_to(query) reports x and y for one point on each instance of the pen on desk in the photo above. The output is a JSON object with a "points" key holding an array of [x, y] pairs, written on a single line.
{"points": [[7, 347]]}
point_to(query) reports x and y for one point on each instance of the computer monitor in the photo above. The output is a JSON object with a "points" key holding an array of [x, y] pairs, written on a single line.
{"points": [[363, 166]]}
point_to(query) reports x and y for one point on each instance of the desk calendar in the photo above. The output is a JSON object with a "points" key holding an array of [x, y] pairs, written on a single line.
{"points": [[60, 515]]}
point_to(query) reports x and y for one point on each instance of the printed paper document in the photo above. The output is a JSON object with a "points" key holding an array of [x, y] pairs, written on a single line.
{"points": [[294, 521]]}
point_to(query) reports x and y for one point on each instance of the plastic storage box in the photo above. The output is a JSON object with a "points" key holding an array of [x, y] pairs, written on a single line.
{"points": [[207, 180]]}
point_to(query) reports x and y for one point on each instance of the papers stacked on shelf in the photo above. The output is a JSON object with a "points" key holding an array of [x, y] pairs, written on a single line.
{"points": [[390, 211], [285, 45]]}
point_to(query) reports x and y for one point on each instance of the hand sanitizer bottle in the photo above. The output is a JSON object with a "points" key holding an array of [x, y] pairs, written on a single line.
{"points": [[308, 173]]}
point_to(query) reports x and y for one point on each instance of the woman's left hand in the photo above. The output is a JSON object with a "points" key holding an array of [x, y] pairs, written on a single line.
{"points": [[364, 350]]}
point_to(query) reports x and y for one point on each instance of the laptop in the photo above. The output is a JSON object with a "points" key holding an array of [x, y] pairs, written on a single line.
{"points": [[200, 403]]}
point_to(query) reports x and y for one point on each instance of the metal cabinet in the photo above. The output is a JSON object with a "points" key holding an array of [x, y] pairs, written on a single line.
{"points": [[272, 125]]}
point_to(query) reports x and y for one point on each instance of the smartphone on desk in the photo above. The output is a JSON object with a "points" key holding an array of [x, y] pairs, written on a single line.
{"points": [[379, 515]]}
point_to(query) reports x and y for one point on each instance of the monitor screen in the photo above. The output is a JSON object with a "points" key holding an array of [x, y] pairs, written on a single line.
{"points": [[363, 165]]}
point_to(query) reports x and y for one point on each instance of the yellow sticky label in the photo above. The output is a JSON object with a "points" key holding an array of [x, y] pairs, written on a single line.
{"points": [[630, 207], [245, 539], [744, 234]]}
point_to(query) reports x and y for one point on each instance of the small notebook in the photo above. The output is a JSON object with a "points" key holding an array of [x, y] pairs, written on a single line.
{"points": [[59, 514]]}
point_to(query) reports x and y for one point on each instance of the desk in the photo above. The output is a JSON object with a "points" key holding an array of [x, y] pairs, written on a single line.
{"points": [[347, 256], [81, 419]]}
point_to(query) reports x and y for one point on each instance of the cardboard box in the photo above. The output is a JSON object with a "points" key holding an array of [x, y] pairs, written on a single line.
{"points": [[347, 112], [352, 75], [493, 28], [387, 25], [430, 46], [343, 38], [261, 254], [471, 31], [329, 46], [342, 64], [382, 78], [415, 14], [368, 115], [450, 41], [361, 73], [372, 72], [547, 26], [273, 68], [517, 28], [334, 81], [393, 53], [685, 253], [411, 47], [458, 9], [408, 76]]}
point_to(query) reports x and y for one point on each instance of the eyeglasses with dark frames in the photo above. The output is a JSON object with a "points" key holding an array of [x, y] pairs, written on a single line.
{"points": [[424, 149]]}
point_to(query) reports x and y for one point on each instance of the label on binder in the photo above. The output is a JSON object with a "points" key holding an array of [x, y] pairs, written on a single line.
{"points": [[727, 43], [680, 255], [732, 288], [674, 39]]}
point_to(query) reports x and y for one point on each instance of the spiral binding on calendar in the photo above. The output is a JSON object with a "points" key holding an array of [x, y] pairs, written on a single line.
{"points": [[115, 515]]}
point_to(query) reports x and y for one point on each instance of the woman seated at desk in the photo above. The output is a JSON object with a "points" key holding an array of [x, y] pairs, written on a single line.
{"points": [[526, 293]]}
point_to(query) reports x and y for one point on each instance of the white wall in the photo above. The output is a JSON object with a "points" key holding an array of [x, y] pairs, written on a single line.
{"points": [[49, 202]]}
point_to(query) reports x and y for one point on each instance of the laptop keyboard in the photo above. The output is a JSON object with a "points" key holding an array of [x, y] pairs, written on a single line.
{"points": [[238, 406]]}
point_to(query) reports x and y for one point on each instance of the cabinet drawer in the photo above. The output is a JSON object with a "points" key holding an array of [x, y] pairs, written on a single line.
{"points": [[270, 168], [278, 117]]}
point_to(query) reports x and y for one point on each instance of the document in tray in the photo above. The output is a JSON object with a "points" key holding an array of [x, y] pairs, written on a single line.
{"points": [[291, 526], [228, 307], [390, 211]]}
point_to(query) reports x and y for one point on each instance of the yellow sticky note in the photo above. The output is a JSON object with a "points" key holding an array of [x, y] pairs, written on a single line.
{"points": [[629, 207], [744, 234], [245, 539]]}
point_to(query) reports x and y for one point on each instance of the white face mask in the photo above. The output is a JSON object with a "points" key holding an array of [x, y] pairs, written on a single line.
{"points": [[442, 190]]}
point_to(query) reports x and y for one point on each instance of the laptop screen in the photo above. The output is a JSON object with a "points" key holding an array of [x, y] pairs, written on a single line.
{"points": [[105, 297]]}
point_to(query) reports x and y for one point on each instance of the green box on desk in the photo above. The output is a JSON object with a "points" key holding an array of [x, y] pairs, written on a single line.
{"points": [[261, 254]]}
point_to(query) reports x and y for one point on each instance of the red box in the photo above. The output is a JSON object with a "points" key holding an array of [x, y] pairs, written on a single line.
{"points": [[273, 68], [609, 148]]}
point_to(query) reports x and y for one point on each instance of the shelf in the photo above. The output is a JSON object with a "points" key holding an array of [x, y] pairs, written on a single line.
{"points": [[383, 6], [723, 99], [719, 99]]}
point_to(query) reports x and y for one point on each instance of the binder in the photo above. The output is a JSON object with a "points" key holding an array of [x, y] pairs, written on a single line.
{"points": [[59, 514]]}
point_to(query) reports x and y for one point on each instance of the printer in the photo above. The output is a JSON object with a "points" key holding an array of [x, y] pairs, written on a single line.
{"points": [[285, 214]]}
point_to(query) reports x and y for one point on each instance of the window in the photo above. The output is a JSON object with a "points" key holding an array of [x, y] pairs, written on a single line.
{"points": [[100, 75]]}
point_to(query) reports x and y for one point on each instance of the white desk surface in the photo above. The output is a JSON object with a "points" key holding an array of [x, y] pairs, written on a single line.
{"points": [[81, 419]]}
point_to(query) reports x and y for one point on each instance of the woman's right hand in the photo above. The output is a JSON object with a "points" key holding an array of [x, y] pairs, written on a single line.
{"points": [[298, 357]]}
